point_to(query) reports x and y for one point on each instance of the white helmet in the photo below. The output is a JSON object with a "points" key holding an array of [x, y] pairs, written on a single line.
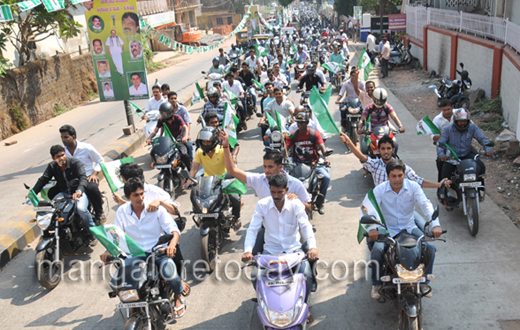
{"points": [[380, 96]]}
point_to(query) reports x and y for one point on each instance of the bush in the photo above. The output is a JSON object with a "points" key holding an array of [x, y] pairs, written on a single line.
{"points": [[19, 119], [491, 105]]}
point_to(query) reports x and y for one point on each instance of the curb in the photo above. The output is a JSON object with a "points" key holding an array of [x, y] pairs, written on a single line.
{"points": [[15, 235]]}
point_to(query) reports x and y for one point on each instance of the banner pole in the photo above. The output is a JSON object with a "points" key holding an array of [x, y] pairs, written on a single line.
{"points": [[129, 115]]}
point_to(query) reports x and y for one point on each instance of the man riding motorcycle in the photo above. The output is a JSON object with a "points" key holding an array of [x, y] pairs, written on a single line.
{"points": [[311, 79], [336, 57], [350, 91], [215, 68], [248, 76], [214, 104], [379, 111], [156, 100]]}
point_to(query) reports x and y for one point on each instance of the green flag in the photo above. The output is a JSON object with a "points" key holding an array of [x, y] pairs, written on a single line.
{"points": [[270, 120], [369, 207], [426, 126], [29, 4], [280, 121], [112, 173], [327, 94], [33, 198], [135, 107], [259, 85], [260, 51], [333, 67], [229, 124], [232, 97], [168, 133], [198, 95], [5, 13], [233, 186], [365, 64], [319, 108], [117, 242]]}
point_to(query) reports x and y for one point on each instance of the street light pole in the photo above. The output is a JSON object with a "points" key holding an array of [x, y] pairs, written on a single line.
{"points": [[381, 17]]}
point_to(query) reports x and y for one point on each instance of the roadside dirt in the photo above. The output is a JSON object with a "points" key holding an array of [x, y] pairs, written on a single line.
{"points": [[503, 177]]}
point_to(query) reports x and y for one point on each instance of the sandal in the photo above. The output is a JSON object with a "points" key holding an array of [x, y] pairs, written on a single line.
{"points": [[237, 225], [178, 316], [187, 290]]}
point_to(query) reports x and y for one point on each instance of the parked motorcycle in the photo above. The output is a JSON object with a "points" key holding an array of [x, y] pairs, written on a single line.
{"points": [[281, 292], [310, 178], [354, 108], [167, 159], [369, 144], [62, 232], [466, 187], [401, 56], [454, 89], [404, 268], [146, 299], [212, 215]]}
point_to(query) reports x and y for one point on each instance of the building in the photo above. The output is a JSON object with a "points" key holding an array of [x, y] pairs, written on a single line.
{"points": [[186, 11], [217, 13]]}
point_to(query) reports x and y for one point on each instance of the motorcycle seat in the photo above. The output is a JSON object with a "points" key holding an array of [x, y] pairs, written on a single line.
{"points": [[406, 240], [447, 81]]}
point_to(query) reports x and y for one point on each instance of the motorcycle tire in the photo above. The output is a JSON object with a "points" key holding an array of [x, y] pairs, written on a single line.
{"points": [[439, 102], [463, 102], [354, 135], [472, 215], [408, 322], [47, 278], [206, 250], [136, 321], [391, 66], [165, 185]]}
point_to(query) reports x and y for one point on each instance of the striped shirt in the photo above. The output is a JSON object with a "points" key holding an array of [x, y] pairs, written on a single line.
{"points": [[377, 167]]}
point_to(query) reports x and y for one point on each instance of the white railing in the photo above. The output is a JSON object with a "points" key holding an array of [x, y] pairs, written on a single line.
{"points": [[498, 29]]}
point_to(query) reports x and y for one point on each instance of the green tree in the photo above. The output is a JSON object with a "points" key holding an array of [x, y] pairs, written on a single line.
{"points": [[36, 25], [344, 7], [285, 3], [389, 6]]}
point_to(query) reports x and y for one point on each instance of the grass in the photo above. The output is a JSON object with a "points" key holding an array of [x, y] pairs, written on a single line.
{"points": [[60, 109], [494, 126], [489, 106], [175, 56], [154, 66], [20, 120], [91, 95]]}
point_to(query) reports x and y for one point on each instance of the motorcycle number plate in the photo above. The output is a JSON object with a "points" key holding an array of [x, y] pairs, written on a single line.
{"points": [[163, 166], [44, 209], [356, 115], [275, 145], [206, 215], [280, 282], [131, 305], [401, 281], [470, 184]]}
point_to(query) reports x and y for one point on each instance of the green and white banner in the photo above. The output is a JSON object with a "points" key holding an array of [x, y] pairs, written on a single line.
{"points": [[53, 5], [5, 14], [198, 95], [365, 64], [111, 171], [333, 67], [427, 127], [29, 4], [229, 124], [369, 207], [117, 242]]}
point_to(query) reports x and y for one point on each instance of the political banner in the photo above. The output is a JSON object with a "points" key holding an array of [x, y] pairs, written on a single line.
{"points": [[117, 52], [358, 13], [253, 25]]}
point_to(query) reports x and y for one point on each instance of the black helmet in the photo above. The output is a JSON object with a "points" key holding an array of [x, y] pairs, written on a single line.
{"points": [[233, 45], [311, 69], [449, 196], [302, 116], [461, 114], [166, 110], [207, 134]]}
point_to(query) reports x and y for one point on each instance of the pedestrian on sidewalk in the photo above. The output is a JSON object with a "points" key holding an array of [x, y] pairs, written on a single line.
{"points": [[207, 29], [385, 56]]}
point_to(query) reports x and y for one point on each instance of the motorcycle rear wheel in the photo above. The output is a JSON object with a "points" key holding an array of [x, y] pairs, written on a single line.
{"points": [[48, 278], [391, 66], [472, 215]]}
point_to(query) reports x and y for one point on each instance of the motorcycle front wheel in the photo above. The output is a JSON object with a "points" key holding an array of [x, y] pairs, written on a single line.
{"points": [[408, 322], [47, 272], [354, 135], [136, 322], [209, 249], [472, 215]]}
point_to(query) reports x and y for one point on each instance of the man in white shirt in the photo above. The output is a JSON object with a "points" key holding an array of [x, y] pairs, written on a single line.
{"points": [[254, 62], [103, 71], [115, 46], [91, 158], [138, 88], [442, 120], [156, 100], [351, 89], [108, 92], [278, 82], [284, 107], [371, 43], [282, 219], [145, 228], [399, 191]]}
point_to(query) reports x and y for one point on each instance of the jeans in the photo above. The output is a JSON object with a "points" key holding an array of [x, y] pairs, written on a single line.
{"points": [[252, 91], [236, 204], [378, 250], [304, 268], [94, 196], [189, 146], [324, 185], [82, 207], [165, 266], [384, 67]]}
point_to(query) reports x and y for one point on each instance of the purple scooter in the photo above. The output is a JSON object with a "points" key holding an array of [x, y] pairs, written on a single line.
{"points": [[280, 292]]}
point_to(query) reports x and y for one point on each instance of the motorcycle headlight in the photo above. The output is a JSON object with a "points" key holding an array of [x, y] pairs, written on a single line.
{"points": [[353, 110], [44, 220], [410, 275], [276, 137], [285, 318], [161, 160], [128, 296], [470, 177]]}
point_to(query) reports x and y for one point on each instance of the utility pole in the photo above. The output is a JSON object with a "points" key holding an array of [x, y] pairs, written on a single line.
{"points": [[381, 17]]}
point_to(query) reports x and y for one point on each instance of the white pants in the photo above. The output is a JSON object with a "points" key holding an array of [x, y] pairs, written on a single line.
{"points": [[118, 62]]}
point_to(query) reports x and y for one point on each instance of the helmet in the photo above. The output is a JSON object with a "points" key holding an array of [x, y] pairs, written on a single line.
{"points": [[233, 45], [166, 110], [460, 114], [302, 116], [380, 97], [207, 134], [341, 31], [212, 92], [311, 69], [450, 196], [215, 59]]}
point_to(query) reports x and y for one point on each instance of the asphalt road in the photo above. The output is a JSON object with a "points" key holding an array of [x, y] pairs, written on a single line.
{"points": [[476, 276], [98, 123]]}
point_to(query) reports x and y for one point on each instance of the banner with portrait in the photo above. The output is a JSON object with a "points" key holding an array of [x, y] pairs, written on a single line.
{"points": [[253, 24], [117, 52]]}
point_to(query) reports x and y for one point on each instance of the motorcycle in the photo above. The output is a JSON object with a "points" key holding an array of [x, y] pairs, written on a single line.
{"points": [[235, 61], [338, 82], [62, 233], [314, 53], [280, 292], [454, 89], [404, 269], [324, 56], [151, 117], [310, 178], [369, 144], [354, 108], [401, 56], [146, 298], [466, 187], [216, 76], [167, 159], [248, 93], [299, 69], [212, 215]]}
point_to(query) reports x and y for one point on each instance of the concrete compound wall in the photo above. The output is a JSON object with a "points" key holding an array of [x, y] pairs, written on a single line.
{"points": [[509, 89], [30, 94], [478, 60], [417, 49], [439, 55]]}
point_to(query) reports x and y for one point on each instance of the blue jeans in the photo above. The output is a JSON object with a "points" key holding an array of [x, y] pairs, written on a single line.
{"points": [[288, 76], [378, 250], [324, 185], [305, 269], [165, 266], [253, 95], [82, 207], [189, 146]]}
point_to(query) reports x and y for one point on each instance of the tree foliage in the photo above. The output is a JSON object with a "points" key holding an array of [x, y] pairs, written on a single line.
{"points": [[36, 25], [285, 3], [345, 7], [389, 6]]}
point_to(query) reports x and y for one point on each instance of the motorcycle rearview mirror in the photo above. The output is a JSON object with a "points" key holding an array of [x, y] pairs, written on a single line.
{"points": [[328, 152], [489, 144], [187, 213], [370, 220], [26, 186], [259, 115], [390, 241], [462, 65], [203, 72], [164, 239]]}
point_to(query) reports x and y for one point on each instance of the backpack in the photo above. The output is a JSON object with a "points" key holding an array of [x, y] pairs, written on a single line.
{"points": [[386, 109]]}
